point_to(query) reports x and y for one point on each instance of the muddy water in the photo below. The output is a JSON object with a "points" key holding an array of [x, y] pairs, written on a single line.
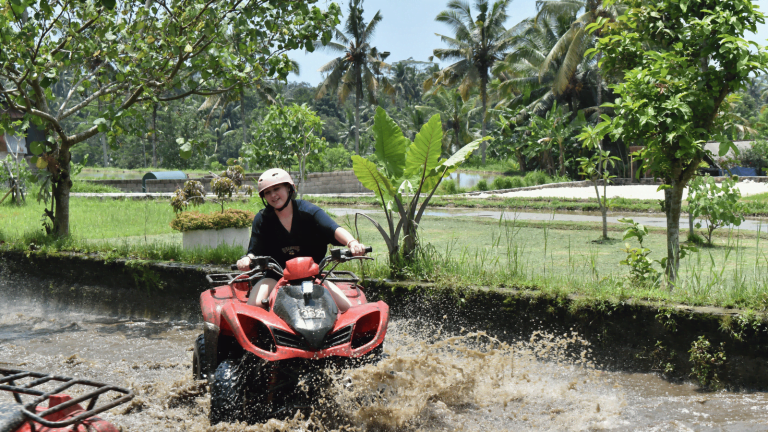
{"points": [[431, 381]]}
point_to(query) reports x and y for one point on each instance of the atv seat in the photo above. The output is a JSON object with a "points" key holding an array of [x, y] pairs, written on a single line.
{"points": [[11, 416]]}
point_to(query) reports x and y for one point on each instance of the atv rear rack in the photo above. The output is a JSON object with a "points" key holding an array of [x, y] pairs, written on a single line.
{"points": [[8, 383]]}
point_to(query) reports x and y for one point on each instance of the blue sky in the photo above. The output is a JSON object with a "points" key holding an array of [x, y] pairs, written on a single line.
{"points": [[408, 30]]}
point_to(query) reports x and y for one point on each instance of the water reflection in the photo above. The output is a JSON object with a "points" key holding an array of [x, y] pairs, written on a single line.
{"points": [[469, 180]]}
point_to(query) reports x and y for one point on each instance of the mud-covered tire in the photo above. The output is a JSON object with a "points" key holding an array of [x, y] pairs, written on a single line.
{"points": [[198, 359], [228, 393]]}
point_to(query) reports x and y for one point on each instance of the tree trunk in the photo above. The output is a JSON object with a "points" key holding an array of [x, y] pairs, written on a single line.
{"points": [[103, 141], [484, 94], [154, 135], [243, 119], [599, 86], [520, 160], [562, 158], [60, 192], [673, 199], [358, 96]]}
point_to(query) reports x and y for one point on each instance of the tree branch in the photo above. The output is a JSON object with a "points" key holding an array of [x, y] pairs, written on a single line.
{"points": [[102, 91]]}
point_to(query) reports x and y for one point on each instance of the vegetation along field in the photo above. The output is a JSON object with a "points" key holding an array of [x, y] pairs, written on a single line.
{"points": [[554, 258]]}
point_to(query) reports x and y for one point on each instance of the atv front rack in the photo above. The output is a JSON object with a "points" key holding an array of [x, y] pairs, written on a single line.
{"points": [[220, 279], [26, 387]]}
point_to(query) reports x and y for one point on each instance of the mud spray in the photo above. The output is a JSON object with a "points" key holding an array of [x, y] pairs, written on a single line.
{"points": [[430, 381]]}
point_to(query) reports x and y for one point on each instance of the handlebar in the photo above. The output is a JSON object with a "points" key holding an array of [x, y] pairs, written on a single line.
{"points": [[338, 255]]}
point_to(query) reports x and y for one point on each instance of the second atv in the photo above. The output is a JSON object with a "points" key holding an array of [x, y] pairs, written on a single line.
{"points": [[262, 362]]}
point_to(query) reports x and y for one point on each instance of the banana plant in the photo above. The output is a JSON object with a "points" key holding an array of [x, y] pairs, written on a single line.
{"points": [[408, 171]]}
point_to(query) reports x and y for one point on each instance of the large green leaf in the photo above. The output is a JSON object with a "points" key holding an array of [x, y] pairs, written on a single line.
{"points": [[460, 156], [425, 151], [371, 177], [390, 143]]}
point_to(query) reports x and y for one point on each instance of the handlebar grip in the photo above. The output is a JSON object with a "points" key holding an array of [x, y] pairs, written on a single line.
{"points": [[233, 267], [368, 249]]}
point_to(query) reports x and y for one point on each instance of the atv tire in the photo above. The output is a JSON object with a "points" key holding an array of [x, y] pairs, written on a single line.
{"points": [[199, 371], [228, 393]]}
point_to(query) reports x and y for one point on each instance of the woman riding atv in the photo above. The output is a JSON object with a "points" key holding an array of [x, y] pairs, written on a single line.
{"points": [[288, 228]]}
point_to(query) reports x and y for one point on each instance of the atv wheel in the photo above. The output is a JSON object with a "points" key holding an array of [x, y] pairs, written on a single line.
{"points": [[228, 393], [199, 371]]}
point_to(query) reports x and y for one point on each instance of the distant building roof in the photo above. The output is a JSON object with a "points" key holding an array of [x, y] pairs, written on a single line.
{"points": [[714, 147]]}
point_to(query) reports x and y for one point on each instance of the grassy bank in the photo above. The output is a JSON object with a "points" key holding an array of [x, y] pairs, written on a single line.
{"points": [[552, 257]]}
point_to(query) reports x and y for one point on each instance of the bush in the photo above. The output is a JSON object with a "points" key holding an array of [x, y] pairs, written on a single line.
{"points": [[502, 183], [482, 185], [517, 182], [449, 186], [231, 218], [535, 178]]}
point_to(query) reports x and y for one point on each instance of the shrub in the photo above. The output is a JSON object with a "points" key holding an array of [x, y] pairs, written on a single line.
{"points": [[708, 362], [517, 182], [535, 178], [502, 183], [482, 185], [230, 218], [449, 186]]}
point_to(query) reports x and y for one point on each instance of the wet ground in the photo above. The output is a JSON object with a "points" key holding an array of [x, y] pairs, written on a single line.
{"points": [[431, 381]]}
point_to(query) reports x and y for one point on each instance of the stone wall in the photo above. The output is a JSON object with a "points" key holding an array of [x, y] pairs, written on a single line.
{"points": [[316, 183]]}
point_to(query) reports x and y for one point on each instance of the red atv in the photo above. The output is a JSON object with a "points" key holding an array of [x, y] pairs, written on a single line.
{"points": [[265, 363], [63, 413]]}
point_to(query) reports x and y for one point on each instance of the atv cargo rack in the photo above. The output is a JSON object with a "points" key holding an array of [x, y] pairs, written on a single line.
{"points": [[221, 279], [10, 377]]}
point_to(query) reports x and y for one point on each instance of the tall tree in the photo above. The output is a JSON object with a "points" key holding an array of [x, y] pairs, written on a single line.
{"points": [[356, 70], [679, 61], [572, 45], [478, 42], [454, 113], [158, 51]]}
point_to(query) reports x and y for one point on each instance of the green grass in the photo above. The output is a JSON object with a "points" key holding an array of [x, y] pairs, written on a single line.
{"points": [[567, 258], [554, 258]]}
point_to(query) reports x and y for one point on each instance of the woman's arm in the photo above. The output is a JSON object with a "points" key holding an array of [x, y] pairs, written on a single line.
{"points": [[343, 236]]}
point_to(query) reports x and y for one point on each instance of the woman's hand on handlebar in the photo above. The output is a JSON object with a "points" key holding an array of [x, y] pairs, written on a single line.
{"points": [[357, 248], [244, 264]]}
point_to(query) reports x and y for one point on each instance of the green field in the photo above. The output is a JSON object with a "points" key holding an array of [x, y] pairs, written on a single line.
{"points": [[556, 258]]}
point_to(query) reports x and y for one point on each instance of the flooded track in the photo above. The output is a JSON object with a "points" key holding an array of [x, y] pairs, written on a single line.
{"points": [[431, 381]]}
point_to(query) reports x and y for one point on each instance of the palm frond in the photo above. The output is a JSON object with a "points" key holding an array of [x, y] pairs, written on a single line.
{"points": [[333, 79], [370, 30], [571, 62]]}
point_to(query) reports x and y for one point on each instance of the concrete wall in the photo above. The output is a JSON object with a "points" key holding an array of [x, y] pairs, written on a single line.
{"points": [[316, 183]]}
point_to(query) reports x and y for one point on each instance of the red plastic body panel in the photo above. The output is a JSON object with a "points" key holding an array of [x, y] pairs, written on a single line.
{"points": [[300, 268], [93, 424], [223, 306]]}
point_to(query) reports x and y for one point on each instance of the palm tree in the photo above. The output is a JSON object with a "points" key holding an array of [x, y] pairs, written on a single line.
{"points": [[478, 42], [358, 67], [529, 75], [575, 42], [454, 113]]}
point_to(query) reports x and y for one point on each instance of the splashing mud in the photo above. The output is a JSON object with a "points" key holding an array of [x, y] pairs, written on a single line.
{"points": [[429, 381]]}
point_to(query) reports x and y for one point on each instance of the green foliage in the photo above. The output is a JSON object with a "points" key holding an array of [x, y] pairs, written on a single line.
{"points": [[640, 265], [719, 206], [502, 183], [449, 186], [708, 362], [231, 218], [193, 193], [675, 74], [285, 136], [66, 58], [334, 159], [482, 185], [409, 168]]}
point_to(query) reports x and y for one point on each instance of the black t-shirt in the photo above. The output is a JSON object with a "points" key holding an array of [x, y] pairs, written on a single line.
{"points": [[311, 232]]}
